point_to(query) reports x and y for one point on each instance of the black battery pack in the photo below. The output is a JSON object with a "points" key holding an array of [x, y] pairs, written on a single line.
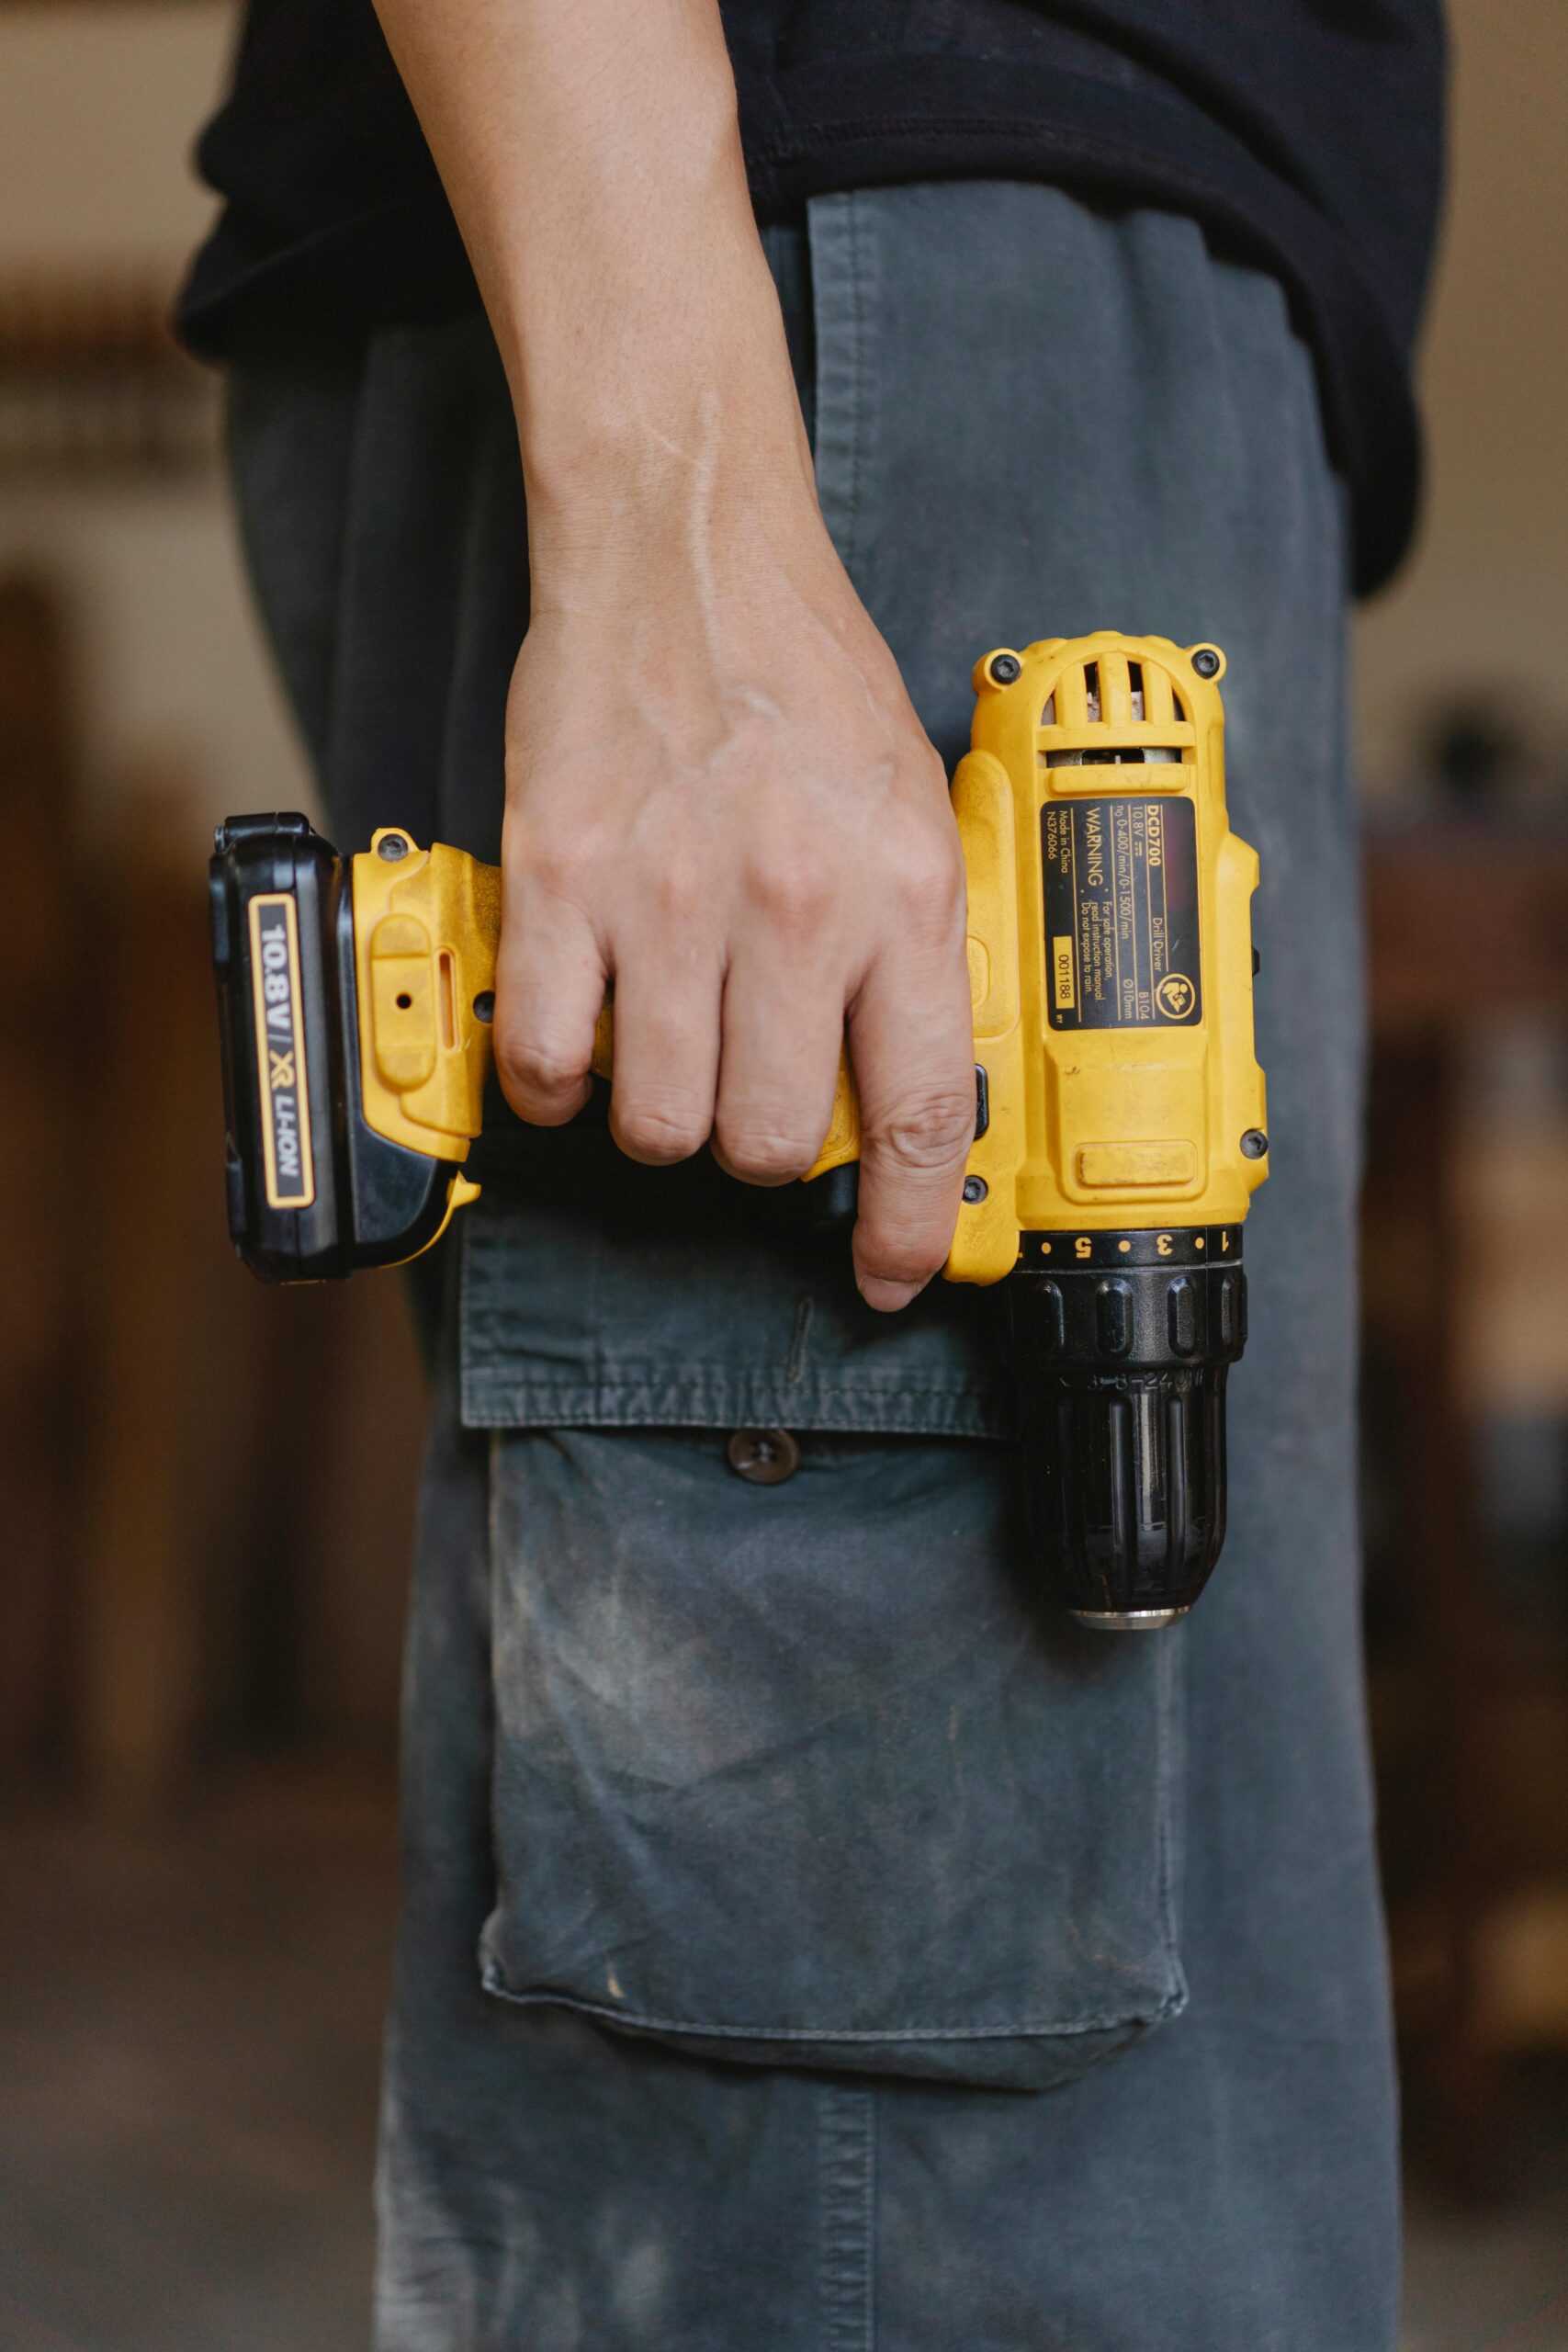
{"points": [[313, 1194]]}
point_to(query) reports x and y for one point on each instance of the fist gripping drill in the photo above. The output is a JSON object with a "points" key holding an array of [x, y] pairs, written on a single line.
{"points": [[1120, 1125]]}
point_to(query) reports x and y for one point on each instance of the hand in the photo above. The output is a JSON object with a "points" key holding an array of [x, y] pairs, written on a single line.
{"points": [[720, 800]]}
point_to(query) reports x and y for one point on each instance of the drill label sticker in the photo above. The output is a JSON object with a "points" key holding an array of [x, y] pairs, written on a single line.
{"points": [[1121, 913], [280, 1052]]}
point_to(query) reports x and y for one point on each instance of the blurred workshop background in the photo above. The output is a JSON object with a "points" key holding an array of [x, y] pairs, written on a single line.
{"points": [[205, 1489]]}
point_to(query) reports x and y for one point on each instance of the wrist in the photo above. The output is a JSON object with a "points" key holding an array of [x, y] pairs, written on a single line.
{"points": [[704, 453], [657, 364], [691, 360]]}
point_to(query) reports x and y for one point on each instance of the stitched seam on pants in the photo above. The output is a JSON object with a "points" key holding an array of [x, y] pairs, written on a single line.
{"points": [[846, 2141], [325, 761], [744, 1400], [857, 317], [636, 2020], [804, 1314], [1171, 1669], [837, 271]]}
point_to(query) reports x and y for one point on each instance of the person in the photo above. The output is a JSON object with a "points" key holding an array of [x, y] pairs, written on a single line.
{"points": [[643, 412]]}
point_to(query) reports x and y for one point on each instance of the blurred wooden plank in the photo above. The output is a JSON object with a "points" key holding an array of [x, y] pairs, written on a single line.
{"points": [[92, 381], [373, 1443], [253, 1452], [1524, 1970], [1466, 920], [1467, 923], [153, 1241], [1515, 1188], [41, 947]]}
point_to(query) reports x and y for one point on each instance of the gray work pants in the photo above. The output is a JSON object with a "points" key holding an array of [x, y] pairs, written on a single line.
{"points": [[812, 1940]]}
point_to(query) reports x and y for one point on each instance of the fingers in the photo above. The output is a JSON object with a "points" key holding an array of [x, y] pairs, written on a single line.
{"points": [[732, 962], [549, 986], [666, 1055], [912, 1046], [784, 1031]]}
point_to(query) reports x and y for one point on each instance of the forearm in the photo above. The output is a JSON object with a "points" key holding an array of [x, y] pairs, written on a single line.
{"points": [[590, 152], [719, 802]]}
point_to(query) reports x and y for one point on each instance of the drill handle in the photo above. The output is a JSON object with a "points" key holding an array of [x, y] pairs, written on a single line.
{"points": [[427, 928]]}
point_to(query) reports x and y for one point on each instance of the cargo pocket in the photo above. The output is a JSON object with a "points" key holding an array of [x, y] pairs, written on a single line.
{"points": [[805, 1773]]}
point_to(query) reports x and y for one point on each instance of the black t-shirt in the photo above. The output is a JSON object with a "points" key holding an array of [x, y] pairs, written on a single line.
{"points": [[1307, 135]]}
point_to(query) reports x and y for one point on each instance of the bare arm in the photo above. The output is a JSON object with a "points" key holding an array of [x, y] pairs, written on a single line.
{"points": [[718, 795]]}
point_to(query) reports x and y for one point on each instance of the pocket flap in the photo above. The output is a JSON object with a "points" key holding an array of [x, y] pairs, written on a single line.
{"points": [[705, 1305]]}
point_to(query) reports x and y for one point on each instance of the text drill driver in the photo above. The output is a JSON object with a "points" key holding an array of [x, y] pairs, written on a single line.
{"points": [[1119, 1124]]}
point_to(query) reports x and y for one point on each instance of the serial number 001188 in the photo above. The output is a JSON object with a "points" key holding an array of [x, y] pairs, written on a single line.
{"points": [[1121, 913]]}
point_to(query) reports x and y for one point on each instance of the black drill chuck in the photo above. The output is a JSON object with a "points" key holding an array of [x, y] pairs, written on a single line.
{"points": [[1120, 1344]]}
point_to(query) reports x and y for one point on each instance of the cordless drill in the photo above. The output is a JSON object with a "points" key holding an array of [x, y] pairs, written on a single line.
{"points": [[1119, 1106]]}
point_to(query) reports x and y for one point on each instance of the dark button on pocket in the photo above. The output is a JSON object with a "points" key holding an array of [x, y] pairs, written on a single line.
{"points": [[765, 1456]]}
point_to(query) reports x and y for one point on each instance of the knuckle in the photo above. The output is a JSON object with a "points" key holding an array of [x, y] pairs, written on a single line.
{"points": [[928, 772], [795, 892], [678, 892], [927, 1132], [676, 907], [763, 1151], [555, 865], [931, 884], [660, 1133], [532, 1066], [897, 1258]]}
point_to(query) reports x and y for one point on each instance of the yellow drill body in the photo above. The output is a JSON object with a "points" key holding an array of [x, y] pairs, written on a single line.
{"points": [[1110, 963]]}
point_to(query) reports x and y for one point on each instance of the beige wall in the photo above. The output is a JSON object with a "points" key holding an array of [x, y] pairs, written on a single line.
{"points": [[1485, 602], [98, 107]]}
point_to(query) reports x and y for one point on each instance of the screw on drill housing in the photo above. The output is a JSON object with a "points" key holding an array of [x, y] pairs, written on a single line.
{"points": [[391, 846], [975, 1190], [1206, 661], [1004, 669], [1253, 1142], [484, 1005]]}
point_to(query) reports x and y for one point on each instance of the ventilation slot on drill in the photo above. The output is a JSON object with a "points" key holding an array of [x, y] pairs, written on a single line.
{"points": [[1149, 702]]}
